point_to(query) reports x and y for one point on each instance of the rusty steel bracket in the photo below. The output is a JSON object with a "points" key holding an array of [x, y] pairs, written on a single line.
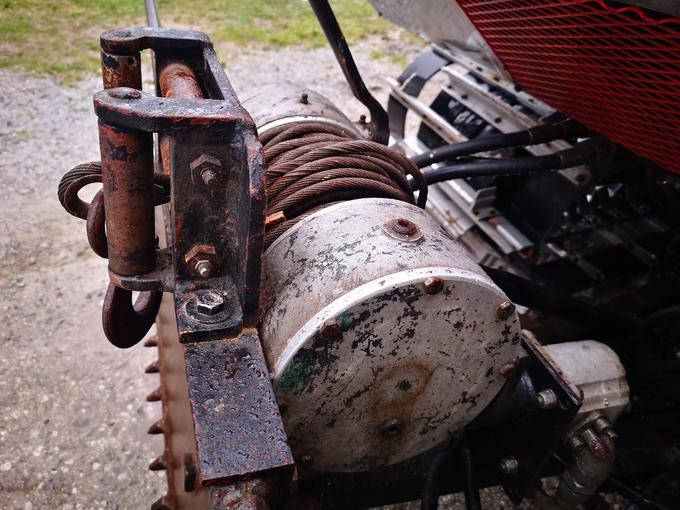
{"points": [[215, 223], [216, 171]]}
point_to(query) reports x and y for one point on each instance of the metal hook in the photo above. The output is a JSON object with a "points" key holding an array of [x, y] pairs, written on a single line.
{"points": [[125, 323]]}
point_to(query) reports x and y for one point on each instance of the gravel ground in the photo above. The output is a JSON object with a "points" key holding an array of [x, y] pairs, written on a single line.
{"points": [[72, 430]]}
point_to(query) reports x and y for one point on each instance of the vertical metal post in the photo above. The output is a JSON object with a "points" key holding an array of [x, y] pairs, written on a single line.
{"points": [[127, 175]]}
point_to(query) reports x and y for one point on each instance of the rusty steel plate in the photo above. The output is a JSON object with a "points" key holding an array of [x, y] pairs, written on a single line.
{"points": [[383, 337]]}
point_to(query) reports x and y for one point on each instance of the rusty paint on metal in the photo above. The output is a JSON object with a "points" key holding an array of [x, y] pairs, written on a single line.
{"points": [[178, 80], [127, 176], [236, 419], [121, 70]]}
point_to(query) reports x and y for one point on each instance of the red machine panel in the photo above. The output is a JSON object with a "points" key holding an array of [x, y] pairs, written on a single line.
{"points": [[616, 70]]}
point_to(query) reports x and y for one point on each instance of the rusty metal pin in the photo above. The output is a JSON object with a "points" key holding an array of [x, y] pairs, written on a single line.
{"points": [[156, 428], [158, 464], [154, 396], [152, 368]]}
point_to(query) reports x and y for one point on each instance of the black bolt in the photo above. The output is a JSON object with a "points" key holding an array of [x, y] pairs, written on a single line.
{"points": [[304, 99]]}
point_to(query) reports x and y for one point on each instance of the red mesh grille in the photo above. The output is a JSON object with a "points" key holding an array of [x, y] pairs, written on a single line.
{"points": [[616, 70]]}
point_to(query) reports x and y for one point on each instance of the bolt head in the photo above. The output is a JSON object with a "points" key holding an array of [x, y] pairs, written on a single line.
{"points": [[546, 399], [209, 177], [505, 310], [204, 268], [331, 330], [209, 303], [391, 428], [304, 98], [433, 284], [508, 370], [205, 168], [509, 466]]}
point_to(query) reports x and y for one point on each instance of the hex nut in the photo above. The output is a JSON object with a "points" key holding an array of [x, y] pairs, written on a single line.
{"points": [[205, 169], [509, 466], [198, 254], [546, 399], [209, 303], [204, 268]]}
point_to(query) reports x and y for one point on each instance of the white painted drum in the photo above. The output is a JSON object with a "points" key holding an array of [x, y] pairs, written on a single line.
{"points": [[381, 345]]}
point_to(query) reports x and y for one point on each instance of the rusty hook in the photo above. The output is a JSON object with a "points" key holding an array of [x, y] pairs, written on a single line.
{"points": [[125, 324], [96, 225]]}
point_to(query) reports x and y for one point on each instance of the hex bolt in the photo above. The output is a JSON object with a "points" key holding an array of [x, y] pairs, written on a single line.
{"points": [[331, 330], [205, 168], [204, 268], [304, 99], [575, 443], [391, 428], [509, 466], [508, 370], [505, 310], [546, 399], [602, 424], [209, 303], [209, 177], [433, 284]]}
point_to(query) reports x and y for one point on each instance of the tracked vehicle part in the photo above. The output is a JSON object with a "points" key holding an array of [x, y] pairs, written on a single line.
{"points": [[374, 362]]}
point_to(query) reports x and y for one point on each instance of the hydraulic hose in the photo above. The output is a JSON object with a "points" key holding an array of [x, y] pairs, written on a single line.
{"points": [[589, 151], [533, 136]]}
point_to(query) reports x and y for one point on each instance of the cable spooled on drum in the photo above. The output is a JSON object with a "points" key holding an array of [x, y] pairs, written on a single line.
{"points": [[314, 165]]}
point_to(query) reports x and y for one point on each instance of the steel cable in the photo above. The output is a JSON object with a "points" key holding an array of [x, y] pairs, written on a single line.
{"points": [[312, 165]]}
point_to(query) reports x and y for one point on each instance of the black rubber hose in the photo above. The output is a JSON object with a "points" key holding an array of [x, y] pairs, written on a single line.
{"points": [[535, 296], [472, 500], [589, 151], [533, 136]]}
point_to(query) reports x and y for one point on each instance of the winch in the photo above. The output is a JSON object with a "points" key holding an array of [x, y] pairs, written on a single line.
{"points": [[348, 315]]}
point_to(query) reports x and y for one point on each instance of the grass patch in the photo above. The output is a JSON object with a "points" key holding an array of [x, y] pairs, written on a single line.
{"points": [[60, 37]]}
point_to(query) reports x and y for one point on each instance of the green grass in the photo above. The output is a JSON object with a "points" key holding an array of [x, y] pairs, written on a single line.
{"points": [[60, 37]]}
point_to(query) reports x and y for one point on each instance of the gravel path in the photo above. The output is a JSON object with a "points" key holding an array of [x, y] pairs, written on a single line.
{"points": [[72, 430]]}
